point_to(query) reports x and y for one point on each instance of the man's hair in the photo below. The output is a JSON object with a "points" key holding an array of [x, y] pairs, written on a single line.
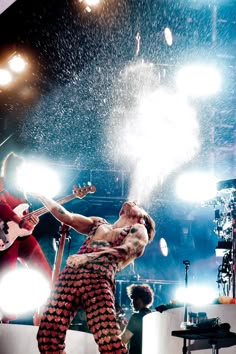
{"points": [[9, 169], [10, 163], [142, 291]]}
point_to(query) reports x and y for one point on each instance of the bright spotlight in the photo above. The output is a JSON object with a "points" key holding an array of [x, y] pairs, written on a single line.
{"points": [[196, 295], [22, 291], [198, 80], [5, 77], [92, 2], [38, 179], [17, 64], [163, 247], [89, 4], [168, 36], [196, 186]]}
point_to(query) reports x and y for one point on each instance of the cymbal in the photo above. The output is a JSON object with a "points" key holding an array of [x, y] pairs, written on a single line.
{"points": [[228, 184]]}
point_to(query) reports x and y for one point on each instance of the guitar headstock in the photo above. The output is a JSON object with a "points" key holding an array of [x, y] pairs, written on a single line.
{"points": [[81, 192]]}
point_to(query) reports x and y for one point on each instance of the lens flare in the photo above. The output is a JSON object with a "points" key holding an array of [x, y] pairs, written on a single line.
{"points": [[196, 186], [36, 178], [23, 290], [198, 80]]}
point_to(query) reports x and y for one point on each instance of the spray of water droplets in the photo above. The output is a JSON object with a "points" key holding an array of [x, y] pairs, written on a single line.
{"points": [[155, 131]]}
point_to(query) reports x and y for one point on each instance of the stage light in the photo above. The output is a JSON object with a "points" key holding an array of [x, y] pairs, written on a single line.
{"points": [[89, 4], [17, 64], [5, 77], [33, 177], [92, 2], [168, 36], [196, 295], [196, 186], [198, 80], [164, 247], [22, 291]]}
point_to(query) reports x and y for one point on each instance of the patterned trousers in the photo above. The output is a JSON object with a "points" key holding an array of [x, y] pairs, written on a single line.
{"points": [[90, 288]]}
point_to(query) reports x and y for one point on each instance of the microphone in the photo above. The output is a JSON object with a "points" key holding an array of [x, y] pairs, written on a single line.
{"points": [[186, 263]]}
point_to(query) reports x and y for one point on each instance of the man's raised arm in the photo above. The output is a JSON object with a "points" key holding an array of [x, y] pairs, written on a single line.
{"points": [[79, 222]]}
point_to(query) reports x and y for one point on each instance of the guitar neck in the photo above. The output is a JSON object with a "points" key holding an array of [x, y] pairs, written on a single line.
{"points": [[44, 210]]}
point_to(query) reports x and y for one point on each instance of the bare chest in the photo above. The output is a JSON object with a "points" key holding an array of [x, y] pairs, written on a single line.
{"points": [[106, 233]]}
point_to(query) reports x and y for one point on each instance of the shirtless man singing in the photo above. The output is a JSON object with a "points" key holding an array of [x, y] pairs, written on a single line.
{"points": [[88, 280]]}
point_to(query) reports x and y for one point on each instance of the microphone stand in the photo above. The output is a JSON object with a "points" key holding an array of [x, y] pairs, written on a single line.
{"points": [[59, 245], [187, 264], [233, 216]]}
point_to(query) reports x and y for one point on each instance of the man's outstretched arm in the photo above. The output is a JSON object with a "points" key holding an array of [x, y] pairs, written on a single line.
{"points": [[80, 223]]}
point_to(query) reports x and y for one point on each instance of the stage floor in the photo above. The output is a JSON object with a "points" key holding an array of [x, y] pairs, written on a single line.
{"points": [[21, 339]]}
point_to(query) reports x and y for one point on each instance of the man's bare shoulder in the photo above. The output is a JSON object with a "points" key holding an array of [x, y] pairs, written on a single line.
{"points": [[139, 231], [96, 219], [138, 228]]}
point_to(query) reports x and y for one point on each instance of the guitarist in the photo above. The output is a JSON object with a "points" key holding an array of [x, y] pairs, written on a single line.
{"points": [[25, 249]]}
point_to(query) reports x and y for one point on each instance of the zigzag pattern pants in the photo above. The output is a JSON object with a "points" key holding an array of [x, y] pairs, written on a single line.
{"points": [[92, 289]]}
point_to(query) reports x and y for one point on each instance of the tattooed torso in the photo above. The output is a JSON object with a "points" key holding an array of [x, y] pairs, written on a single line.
{"points": [[103, 235], [106, 233], [105, 243]]}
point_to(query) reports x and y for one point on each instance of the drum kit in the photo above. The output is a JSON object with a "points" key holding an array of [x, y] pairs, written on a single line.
{"points": [[225, 219]]}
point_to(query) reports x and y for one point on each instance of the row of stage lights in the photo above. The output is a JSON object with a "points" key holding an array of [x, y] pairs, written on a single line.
{"points": [[190, 79], [33, 289], [190, 186]]}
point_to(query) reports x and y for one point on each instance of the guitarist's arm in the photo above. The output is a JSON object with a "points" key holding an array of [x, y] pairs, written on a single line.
{"points": [[8, 214], [79, 222], [6, 211]]}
